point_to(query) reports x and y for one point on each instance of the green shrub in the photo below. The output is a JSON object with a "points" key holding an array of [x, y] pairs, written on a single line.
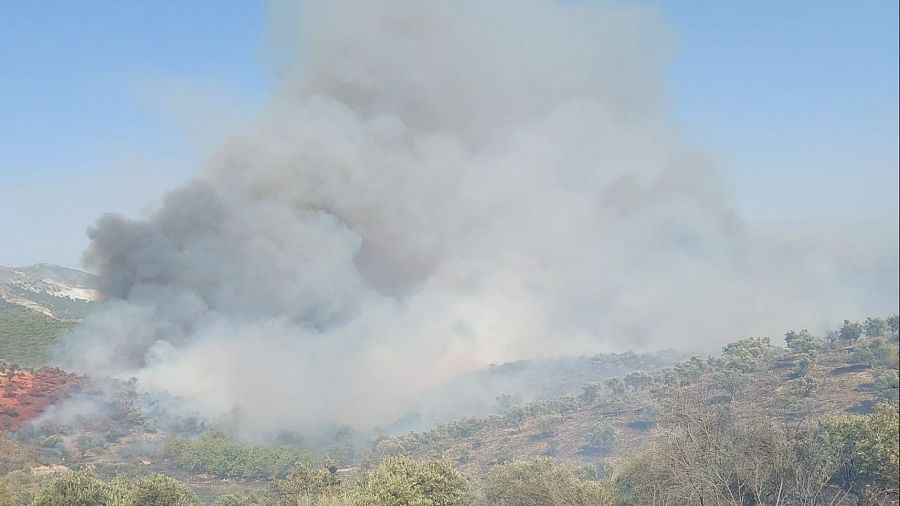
{"points": [[465, 427], [638, 380], [893, 323], [505, 402], [745, 355], [876, 352], [591, 392], [875, 327], [87, 443], [615, 385], [251, 499], [704, 454], [870, 446], [160, 490], [690, 371], [215, 453], [81, 489], [233, 500], [801, 342], [400, 481], [850, 331], [542, 483], [805, 364], [887, 384], [732, 381], [601, 438], [802, 386], [505, 453], [309, 485]]}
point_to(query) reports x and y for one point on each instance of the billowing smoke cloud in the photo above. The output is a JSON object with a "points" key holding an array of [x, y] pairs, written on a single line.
{"points": [[437, 186]]}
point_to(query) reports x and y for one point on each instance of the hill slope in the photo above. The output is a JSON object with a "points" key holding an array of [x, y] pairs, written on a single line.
{"points": [[613, 420], [54, 291], [36, 304]]}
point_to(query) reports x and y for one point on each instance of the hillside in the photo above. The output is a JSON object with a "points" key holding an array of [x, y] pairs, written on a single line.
{"points": [[57, 292], [499, 385], [27, 336], [610, 421], [820, 412], [36, 304]]}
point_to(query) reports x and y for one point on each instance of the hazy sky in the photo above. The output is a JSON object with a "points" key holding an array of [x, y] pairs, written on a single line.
{"points": [[105, 105]]}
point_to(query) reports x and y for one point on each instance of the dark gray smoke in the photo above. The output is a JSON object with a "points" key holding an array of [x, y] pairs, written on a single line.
{"points": [[437, 186]]}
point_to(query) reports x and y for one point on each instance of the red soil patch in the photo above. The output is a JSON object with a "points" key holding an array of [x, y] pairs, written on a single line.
{"points": [[24, 394]]}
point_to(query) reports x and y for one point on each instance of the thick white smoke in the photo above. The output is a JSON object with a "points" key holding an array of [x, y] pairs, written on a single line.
{"points": [[436, 186]]}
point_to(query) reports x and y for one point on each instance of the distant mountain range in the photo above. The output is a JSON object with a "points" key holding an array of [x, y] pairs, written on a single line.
{"points": [[58, 292]]}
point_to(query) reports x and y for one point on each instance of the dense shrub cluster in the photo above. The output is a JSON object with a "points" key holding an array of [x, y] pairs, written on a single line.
{"points": [[405, 482], [84, 489], [543, 483], [400, 481], [215, 453]]}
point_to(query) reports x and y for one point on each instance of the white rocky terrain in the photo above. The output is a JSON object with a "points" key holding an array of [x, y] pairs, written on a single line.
{"points": [[52, 290]]}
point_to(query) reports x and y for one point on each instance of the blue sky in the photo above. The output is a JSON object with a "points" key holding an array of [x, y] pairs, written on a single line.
{"points": [[796, 101]]}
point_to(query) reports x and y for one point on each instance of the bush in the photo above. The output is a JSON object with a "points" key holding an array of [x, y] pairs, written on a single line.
{"points": [[871, 449], [615, 385], [255, 499], [893, 323], [215, 453], [601, 439], [850, 331], [705, 454], [160, 490], [306, 484], [732, 381], [887, 384], [81, 489], [505, 402], [400, 481], [805, 364], [800, 342], [591, 392], [638, 380], [542, 483], [876, 352], [87, 444], [875, 327], [233, 500], [802, 386], [745, 355]]}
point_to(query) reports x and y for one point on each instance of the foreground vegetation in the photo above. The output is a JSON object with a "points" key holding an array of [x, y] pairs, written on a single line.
{"points": [[813, 423], [699, 458], [215, 453]]}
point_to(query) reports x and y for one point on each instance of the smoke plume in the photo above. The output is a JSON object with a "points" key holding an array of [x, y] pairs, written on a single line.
{"points": [[436, 186]]}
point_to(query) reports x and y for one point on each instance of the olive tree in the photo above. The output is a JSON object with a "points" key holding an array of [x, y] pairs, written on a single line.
{"points": [[401, 481], [543, 483]]}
